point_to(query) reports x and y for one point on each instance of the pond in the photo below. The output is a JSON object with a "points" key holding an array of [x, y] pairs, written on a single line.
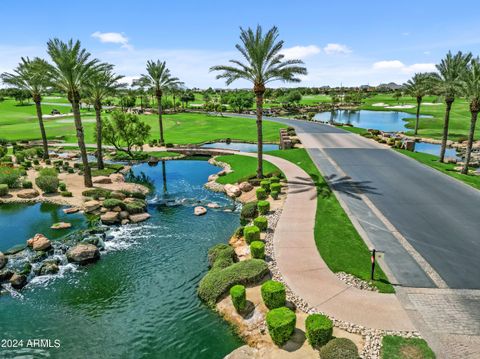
{"points": [[241, 146], [434, 149], [140, 299], [388, 121]]}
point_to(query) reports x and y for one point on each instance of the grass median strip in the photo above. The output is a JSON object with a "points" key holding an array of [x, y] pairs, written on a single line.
{"points": [[243, 167]]}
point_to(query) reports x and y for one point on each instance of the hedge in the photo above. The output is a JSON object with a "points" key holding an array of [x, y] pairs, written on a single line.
{"points": [[339, 348], [27, 184], [112, 203], [218, 281], [263, 207], [221, 256], [265, 185], [249, 210], [66, 194], [274, 194], [48, 172], [281, 324], [273, 294], [276, 187], [62, 186], [261, 193], [257, 249], [239, 297], [48, 184], [261, 222], [9, 176], [319, 329], [3, 189], [251, 233], [273, 180], [96, 193]]}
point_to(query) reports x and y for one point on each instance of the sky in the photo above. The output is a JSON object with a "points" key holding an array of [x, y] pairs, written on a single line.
{"points": [[345, 43]]}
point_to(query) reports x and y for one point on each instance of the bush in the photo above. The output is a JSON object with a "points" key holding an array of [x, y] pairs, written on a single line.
{"points": [[273, 294], [9, 176], [249, 210], [112, 203], [218, 281], [221, 256], [36, 162], [27, 184], [169, 145], [274, 179], [281, 324], [251, 233], [319, 329], [239, 297], [66, 194], [239, 231], [48, 172], [276, 187], [96, 193], [27, 164], [261, 222], [274, 194], [62, 186], [20, 157], [135, 207], [47, 184], [48, 161], [261, 193], [3, 189], [70, 170], [265, 185], [263, 207], [58, 162], [257, 249], [339, 348]]}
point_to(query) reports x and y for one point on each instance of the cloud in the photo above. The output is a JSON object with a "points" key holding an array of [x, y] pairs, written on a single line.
{"points": [[300, 52], [333, 49], [112, 38], [396, 65]]}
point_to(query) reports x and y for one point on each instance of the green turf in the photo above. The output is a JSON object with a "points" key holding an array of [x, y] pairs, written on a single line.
{"points": [[336, 238], [242, 166], [163, 154], [395, 347]]}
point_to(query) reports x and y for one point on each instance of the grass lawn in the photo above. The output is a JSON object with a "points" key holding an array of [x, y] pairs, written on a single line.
{"points": [[243, 166], [395, 347]]}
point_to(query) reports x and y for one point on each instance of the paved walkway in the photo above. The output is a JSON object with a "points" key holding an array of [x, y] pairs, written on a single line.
{"points": [[306, 273]]}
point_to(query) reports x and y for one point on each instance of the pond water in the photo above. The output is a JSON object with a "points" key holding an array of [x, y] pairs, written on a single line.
{"points": [[241, 146], [140, 299], [434, 149], [389, 121]]}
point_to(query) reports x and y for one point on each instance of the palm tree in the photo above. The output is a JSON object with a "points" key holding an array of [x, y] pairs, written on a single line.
{"points": [[471, 90], [32, 76], [264, 64], [451, 70], [418, 87], [101, 83], [159, 79], [72, 68]]}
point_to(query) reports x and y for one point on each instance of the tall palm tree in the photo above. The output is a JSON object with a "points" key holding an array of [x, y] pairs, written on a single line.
{"points": [[263, 64], [418, 87], [451, 70], [72, 68], [101, 83], [159, 79], [471, 90], [34, 77]]}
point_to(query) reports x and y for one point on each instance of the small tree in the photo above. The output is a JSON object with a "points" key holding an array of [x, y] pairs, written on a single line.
{"points": [[124, 131], [241, 101]]}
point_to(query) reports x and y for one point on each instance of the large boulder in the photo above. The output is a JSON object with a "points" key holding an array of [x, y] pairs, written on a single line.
{"points": [[5, 275], [245, 187], [118, 195], [18, 281], [140, 217], [117, 177], [123, 215], [3, 260], [61, 225], [212, 177], [83, 254], [199, 211], [39, 242], [48, 267], [232, 190], [102, 179], [28, 193], [109, 217], [91, 206], [71, 210]]}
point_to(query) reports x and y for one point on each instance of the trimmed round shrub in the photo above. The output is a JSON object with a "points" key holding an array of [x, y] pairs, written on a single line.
{"points": [[36, 162], [70, 170], [48, 161], [265, 185], [273, 180], [263, 207], [261, 222], [27, 184], [3, 189], [9, 176], [257, 249], [261, 193], [276, 187], [66, 194], [339, 348], [319, 329], [47, 184], [47, 171], [20, 157], [274, 194], [239, 297], [62, 186], [249, 210], [281, 324], [251, 233], [273, 294], [112, 203]]}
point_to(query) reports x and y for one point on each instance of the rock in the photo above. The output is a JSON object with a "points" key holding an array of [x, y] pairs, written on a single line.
{"points": [[213, 205], [83, 253], [18, 281], [212, 178], [222, 173], [244, 352], [245, 187], [39, 242], [199, 211], [123, 215], [48, 267], [125, 221], [28, 193], [232, 190], [103, 210], [5, 275], [15, 249], [71, 210], [102, 179], [117, 209], [117, 178], [109, 217], [3, 260], [61, 225], [91, 206], [118, 195], [140, 217]]}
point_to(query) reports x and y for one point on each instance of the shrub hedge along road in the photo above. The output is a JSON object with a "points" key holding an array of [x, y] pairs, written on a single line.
{"points": [[319, 329], [273, 294], [257, 249], [281, 324], [251, 233], [261, 222]]}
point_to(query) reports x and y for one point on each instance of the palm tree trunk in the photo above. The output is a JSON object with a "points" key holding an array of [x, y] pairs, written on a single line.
{"points": [[38, 107], [445, 130], [419, 102], [259, 134], [87, 174], [473, 122], [164, 177], [174, 106], [98, 122], [160, 121]]}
